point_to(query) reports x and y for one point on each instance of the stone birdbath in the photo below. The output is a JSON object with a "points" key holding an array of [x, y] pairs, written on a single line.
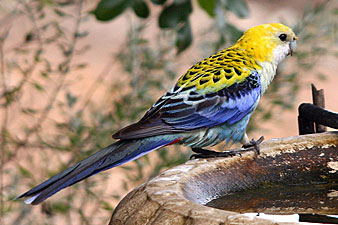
{"points": [[188, 193]]}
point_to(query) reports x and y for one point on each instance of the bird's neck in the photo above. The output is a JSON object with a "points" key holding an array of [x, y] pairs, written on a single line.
{"points": [[269, 67], [267, 72], [265, 60]]}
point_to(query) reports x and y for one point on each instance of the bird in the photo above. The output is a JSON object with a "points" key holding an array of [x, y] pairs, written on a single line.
{"points": [[211, 103]]}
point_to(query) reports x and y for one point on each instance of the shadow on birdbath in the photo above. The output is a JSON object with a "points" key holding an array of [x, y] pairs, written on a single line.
{"points": [[291, 175]]}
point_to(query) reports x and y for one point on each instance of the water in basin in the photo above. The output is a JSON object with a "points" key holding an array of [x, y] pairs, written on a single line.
{"points": [[310, 202]]}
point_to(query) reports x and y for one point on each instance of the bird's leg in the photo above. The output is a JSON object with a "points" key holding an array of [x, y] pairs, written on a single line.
{"points": [[253, 145], [247, 146], [204, 153]]}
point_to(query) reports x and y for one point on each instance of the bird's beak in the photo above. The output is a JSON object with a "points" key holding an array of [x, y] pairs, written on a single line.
{"points": [[293, 45]]}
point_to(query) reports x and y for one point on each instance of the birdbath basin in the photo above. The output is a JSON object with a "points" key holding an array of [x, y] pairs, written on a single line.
{"points": [[294, 175]]}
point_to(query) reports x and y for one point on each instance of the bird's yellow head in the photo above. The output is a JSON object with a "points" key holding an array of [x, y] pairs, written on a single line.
{"points": [[268, 42]]}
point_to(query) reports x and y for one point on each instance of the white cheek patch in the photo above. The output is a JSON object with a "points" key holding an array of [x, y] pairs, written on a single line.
{"points": [[281, 52]]}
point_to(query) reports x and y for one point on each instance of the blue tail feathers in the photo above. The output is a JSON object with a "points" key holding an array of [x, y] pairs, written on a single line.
{"points": [[113, 155]]}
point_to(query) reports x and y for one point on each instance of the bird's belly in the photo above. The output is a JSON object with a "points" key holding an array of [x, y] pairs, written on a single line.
{"points": [[211, 136]]}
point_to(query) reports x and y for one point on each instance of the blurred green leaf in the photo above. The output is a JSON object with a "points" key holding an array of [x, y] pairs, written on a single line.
{"points": [[184, 37], [141, 9], [44, 74], [59, 12], [239, 7], [71, 100], [174, 14], [117, 197], [267, 115], [335, 11], [37, 55], [60, 207], [29, 36], [109, 9], [124, 185], [208, 6], [81, 34], [127, 168], [290, 77], [158, 2], [38, 86], [81, 66], [107, 206], [24, 172], [321, 76], [28, 111]]}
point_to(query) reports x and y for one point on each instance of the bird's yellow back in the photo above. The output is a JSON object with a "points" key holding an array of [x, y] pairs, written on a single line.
{"points": [[234, 64]]}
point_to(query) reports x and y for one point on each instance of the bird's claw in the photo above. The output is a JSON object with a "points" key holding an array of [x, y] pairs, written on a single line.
{"points": [[254, 145]]}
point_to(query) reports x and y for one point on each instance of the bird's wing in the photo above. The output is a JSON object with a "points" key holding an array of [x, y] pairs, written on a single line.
{"points": [[188, 108]]}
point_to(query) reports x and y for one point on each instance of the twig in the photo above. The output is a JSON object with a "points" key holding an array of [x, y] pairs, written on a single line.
{"points": [[35, 128], [318, 100], [31, 15]]}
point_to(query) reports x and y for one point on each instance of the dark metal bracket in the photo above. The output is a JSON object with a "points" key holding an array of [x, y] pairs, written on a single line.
{"points": [[313, 118]]}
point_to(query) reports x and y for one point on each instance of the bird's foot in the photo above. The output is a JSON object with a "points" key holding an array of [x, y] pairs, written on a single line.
{"points": [[254, 145], [204, 153]]}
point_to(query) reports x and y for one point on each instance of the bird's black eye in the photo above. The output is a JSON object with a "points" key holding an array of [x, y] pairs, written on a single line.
{"points": [[282, 37]]}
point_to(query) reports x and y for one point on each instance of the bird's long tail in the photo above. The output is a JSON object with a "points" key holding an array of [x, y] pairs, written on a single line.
{"points": [[113, 155]]}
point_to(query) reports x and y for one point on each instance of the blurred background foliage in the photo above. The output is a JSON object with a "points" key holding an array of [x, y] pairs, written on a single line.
{"points": [[176, 16], [46, 126]]}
